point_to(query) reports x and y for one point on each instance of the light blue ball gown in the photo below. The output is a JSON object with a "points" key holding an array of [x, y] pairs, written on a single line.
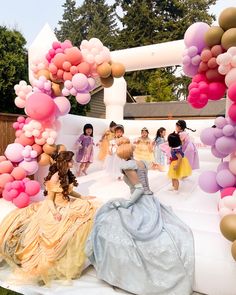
{"points": [[140, 246]]}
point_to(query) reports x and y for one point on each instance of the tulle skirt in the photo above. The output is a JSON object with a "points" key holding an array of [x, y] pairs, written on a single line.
{"points": [[184, 169]]}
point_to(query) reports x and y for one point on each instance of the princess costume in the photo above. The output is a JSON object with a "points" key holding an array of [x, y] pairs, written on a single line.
{"points": [[189, 149], [104, 145], [139, 245], [41, 248], [184, 168]]}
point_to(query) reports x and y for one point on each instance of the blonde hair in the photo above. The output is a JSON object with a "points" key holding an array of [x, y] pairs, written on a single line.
{"points": [[125, 148]]}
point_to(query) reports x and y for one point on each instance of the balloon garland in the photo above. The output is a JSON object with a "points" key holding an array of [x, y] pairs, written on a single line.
{"points": [[65, 70]]}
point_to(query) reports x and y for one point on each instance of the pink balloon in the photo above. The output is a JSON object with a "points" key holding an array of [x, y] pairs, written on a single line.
{"points": [[14, 152], [6, 167], [194, 36], [40, 106], [83, 98], [20, 103], [2, 158], [32, 187], [37, 148], [203, 87], [232, 92], [227, 191], [18, 173], [63, 105], [80, 81], [30, 167], [84, 68], [194, 92], [192, 85], [199, 77], [232, 112], [23, 140], [5, 178], [216, 90], [22, 200]]}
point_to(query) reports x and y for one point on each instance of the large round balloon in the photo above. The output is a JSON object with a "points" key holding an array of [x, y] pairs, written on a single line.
{"points": [[194, 36], [207, 182], [40, 106], [227, 18], [228, 227], [213, 36], [229, 39]]}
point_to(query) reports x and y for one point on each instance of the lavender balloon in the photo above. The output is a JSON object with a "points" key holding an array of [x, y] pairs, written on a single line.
{"points": [[228, 130], [207, 182], [223, 166], [217, 153], [207, 136], [190, 70], [226, 145], [225, 178], [194, 36], [220, 122]]}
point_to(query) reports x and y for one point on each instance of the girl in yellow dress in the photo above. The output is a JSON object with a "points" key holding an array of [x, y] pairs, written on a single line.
{"points": [[46, 240], [179, 164], [105, 141], [144, 148]]}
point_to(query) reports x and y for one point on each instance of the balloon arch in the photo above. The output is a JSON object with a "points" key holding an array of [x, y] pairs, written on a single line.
{"points": [[59, 69]]}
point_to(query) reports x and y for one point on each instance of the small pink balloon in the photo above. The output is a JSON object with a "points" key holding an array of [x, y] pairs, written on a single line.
{"points": [[230, 78], [232, 112], [232, 92], [227, 191], [32, 187], [5, 178], [22, 200], [20, 103], [30, 167], [80, 81], [63, 105], [14, 152], [6, 167], [83, 98]]}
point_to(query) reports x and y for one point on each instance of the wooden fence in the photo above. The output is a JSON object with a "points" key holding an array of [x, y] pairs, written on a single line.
{"points": [[7, 133]]}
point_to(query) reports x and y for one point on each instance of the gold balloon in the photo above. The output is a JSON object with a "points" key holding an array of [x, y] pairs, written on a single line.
{"points": [[104, 70], [227, 18], [44, 159], [107, 82], [49, 149], [229, 38], [117, 70], [213, 36], [56, 88], [61, 148], [44, 73], [233, 250], [228, 227]]}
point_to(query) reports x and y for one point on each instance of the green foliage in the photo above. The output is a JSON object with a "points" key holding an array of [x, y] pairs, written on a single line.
{"points": [[78, 109], [13, 67]]}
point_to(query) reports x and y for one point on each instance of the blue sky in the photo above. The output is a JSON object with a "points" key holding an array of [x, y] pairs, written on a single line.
{"points": [[29, 16]]}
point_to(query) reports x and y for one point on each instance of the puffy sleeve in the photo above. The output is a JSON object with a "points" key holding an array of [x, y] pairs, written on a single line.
{"points": [[183, 135], [129, 165], [80, 139]]}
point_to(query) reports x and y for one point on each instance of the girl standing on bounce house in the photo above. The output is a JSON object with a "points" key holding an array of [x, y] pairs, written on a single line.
{"points": [[188, 147]]}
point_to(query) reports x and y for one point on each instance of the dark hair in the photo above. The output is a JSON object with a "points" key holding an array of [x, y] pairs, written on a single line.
{"points": [[174, 140], [66, 177], [145, 129], [182, 124], [88, 126], [159, 131], [112, 124], [120, 127]]}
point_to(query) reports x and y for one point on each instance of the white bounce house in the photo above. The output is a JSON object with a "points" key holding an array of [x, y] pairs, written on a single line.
{"points": [[215, 269]]}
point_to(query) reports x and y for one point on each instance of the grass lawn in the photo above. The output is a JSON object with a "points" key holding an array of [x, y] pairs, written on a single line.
{"points": [[7, 292]]}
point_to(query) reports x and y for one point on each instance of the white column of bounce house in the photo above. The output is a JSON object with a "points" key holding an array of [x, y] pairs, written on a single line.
{"points": [[139, 58]]}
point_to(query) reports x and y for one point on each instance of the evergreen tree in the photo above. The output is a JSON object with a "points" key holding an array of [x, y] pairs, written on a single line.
{"points": [[98, 20], [70, 25], [147, 22], [13, 67]]}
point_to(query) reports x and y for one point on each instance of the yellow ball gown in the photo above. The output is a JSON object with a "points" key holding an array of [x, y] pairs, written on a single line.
{"points": [[143, 150], [104, 145], [42, 248]]}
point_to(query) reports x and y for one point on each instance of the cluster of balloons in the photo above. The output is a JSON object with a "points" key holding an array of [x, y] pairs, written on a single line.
{"points": [[206, 54], [19, 192], [64, 70], [222, 140]]}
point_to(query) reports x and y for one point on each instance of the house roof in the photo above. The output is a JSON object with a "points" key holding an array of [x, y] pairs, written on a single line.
{"points": [[172, 109]]}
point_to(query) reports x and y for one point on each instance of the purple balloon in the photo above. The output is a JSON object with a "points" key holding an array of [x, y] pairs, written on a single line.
{"points": [[192, 51], [207, 136], [194, 36], [220, 122], [217, 154], [223, 166], [207, 182], [196, 60], [228, 130], [190, 70], [225, 178], [186, 60], [218, 132], [226, 145]]}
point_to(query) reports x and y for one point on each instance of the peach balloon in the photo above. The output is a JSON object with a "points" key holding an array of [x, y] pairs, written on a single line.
{"points": [[37, 148], [19, 173], [5, 178], [49, 149], [2, 158], [44, 73], [61, 148], [6, 167], [44, 159], [117, 70], [56, 88], [25, 140], [104, 70]]}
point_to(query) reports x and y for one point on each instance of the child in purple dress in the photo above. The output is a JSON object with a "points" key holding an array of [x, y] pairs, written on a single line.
{"points": [[84, 154], [188, 147]]}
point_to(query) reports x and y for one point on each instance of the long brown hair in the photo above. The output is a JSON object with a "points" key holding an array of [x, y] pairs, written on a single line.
{"points": [[66, 177]]}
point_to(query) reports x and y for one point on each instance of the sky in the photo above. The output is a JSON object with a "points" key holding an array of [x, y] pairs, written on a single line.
{"points": [[29, 16]]}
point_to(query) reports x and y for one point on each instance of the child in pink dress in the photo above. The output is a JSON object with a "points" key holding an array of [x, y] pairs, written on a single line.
{"points": [[84, 154], [188, 147]]}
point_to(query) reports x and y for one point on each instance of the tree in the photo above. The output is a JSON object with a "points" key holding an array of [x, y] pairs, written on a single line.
{"points": [[13, 67], [70, 25], [147, 22]]}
